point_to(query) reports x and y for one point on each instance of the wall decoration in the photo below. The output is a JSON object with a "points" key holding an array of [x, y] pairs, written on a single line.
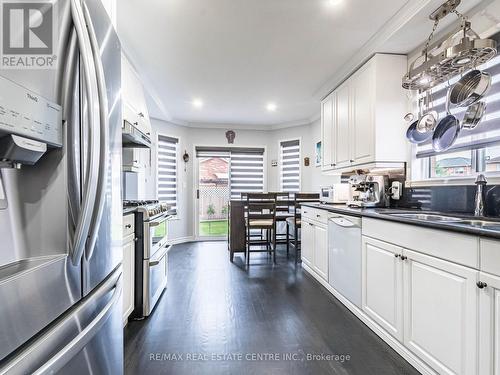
{"points": [[317, 158], [230, 135], [185, 157], [306, 161]]}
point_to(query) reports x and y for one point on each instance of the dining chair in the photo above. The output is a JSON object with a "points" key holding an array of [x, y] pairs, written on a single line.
{"points": [[294, 223], [261, 215]]}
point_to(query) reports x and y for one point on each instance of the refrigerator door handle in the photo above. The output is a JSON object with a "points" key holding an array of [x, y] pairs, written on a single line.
{"points": [[60, 359], [71, 119], [91, 91], [104, 135]]}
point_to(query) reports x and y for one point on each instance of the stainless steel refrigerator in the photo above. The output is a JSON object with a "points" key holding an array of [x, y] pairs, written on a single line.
{"points": [[60, 203]]}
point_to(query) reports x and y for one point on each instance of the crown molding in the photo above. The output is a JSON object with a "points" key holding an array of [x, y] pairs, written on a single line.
{"points": [[241, 126]]}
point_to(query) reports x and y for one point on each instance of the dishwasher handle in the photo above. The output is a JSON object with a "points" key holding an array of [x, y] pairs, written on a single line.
{"points": [[343, 222]]}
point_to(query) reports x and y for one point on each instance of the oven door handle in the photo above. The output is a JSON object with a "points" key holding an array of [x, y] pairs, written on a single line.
{"points": [[158, 221], [162, 253]]}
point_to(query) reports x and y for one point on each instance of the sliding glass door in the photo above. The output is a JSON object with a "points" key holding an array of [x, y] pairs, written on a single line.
{"points": [[224, 173]]}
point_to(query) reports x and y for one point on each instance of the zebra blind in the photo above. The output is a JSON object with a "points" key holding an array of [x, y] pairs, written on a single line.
{"points": [[167, 170], [247, 172], [290, 166], [487, 133], [246, 168]]}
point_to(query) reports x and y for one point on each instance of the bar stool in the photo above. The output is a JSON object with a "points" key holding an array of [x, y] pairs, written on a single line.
{"points": [[294, 223], [261, 215]]}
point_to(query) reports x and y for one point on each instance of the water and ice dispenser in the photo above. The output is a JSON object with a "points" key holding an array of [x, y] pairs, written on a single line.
{"points": [[29, 125]]}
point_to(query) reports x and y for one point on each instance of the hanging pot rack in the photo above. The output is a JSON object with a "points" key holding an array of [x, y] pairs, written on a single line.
{"points": [[460, 50]]}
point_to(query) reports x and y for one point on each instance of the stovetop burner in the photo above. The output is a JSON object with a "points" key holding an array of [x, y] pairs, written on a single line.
{"points": [[137, 203]]}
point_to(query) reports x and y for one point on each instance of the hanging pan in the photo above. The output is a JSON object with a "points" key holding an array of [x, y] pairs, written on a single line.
{"points": [[447, 130], [413, 134]]}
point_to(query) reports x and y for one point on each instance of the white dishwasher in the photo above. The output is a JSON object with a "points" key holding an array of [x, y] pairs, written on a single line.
{"points": [[344, 247]]}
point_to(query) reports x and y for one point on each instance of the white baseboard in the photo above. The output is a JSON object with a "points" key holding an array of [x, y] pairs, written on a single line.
{"points": [[179, 240], [404, 352]]}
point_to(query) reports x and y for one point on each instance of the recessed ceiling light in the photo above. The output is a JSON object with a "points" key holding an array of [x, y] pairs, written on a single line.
{"points": [[333, 2], [271, 107], [197, 103]]}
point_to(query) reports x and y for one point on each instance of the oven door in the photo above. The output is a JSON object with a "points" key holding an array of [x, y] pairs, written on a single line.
{"points": [[155, 279], [155, 235]]}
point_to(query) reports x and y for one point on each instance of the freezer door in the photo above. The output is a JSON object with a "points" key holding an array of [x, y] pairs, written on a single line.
{"points": [[86, 340], [100, 259]]}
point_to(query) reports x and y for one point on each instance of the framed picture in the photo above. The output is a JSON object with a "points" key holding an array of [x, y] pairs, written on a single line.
{"points": [[317, 158]]}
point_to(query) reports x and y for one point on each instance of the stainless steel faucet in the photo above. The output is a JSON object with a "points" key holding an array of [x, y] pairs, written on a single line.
{"points": [[479, 202]]}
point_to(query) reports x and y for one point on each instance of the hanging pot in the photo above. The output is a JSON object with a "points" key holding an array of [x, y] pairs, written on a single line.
{"points": [[470, 88], [473, 115]]}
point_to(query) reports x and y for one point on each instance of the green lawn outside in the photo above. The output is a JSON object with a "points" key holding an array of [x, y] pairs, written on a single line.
{"points": [[213, 228]]}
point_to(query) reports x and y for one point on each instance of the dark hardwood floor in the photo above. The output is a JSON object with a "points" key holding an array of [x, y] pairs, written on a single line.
{"points": [[257, 316]]}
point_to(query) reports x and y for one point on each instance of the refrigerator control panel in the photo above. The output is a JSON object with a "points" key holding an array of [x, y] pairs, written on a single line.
{"points": [[27, 114]]}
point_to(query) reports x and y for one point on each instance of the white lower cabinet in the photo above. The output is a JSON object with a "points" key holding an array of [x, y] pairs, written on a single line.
{"points": [[128, 276], [440, 313], [489, 324], [382, 285], [321, 251], [307, 242], [314, 245], [431, 306]]}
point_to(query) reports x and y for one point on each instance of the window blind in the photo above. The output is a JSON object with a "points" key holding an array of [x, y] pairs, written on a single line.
{"points": [[247, 172], [246, 167], [487, 133], [290, 166], [167, 170]]}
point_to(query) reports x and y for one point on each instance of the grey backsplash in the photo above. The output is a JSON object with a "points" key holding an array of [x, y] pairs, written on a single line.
{"points": [[459, 199]]}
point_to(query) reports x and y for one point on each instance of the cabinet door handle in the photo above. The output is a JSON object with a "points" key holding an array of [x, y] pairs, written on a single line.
{"points": [[352, 161], [481, 285], [310, 224], [141, 114], [403, 257], [136, 239], [128, 226], [397, 255], [318, 215]]}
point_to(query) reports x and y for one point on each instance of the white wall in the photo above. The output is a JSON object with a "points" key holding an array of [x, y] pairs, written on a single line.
{"points": [[183, 227]]}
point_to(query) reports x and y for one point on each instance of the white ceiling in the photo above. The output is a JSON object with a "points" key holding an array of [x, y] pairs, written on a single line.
{"points": [[238, 55]]}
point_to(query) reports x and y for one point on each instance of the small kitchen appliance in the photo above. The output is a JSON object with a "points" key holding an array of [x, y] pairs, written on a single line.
{"points": [[368, 190], [336, 193]]}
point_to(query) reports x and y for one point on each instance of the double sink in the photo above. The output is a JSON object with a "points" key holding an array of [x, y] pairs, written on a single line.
{"points": [[444, 219]]}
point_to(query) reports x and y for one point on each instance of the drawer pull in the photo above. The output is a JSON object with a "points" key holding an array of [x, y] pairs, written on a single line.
{"points": [[128, 226], [318, 215]]}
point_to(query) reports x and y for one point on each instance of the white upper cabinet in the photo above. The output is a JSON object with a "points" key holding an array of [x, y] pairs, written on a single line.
{"points": [[135, 110], [327, 127], [366, 124], [342, 146]]}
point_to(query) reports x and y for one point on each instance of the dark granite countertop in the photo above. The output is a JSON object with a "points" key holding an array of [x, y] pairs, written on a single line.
{"points": [[385, 214]]}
